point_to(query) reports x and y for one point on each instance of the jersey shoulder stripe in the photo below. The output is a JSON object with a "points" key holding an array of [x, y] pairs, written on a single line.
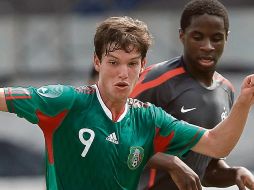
{"points": [[17, 93], [86, 89], [165, 73], [219, 77], [194, 140]]}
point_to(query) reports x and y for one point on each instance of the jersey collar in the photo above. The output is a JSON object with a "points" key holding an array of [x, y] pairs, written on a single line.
{"points": [[105, 108]]}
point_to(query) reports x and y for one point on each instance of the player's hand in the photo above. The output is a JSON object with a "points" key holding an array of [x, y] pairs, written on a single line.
{"points": [[184, 177], [244, 178], [247, 91]]}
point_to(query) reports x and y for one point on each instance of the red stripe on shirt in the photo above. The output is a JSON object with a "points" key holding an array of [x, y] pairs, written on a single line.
{"points": [[17, 97], [20, 93], [141, 87], [49, 124], [161, 143]]}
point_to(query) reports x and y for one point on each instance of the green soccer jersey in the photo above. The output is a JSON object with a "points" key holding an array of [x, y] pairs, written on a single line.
{"points": [[86, 149]]}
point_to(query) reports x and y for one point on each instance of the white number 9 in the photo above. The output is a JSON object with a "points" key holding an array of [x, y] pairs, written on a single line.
{"points": [[85, 142]]}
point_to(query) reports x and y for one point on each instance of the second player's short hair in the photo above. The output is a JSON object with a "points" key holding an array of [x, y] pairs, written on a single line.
{"points": [[200, 7], [123, 33]]}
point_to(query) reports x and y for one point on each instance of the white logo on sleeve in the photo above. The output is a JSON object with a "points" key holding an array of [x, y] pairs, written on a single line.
{"points": [[50, 91], [183, 110], [112, 138]]}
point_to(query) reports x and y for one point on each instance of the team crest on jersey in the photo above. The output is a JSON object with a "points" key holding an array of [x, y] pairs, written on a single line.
{"points": [[135, 157], [50, 92]]}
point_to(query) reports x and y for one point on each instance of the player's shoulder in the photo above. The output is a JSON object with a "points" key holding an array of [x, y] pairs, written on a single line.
{"points": [[64, 91], [137, 104], [224, 81], [165, 69], [156, 75], [146, 108], [54, 91], [87, 89]]}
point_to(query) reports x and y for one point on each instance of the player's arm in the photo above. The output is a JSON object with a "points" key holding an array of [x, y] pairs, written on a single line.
{"points": [[219, 141], [220, 174], [3, 106], [183, 176]]}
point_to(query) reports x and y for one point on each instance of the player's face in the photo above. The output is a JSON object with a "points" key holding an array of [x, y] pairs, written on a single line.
{"points": [[203, 42], [118, 74]]}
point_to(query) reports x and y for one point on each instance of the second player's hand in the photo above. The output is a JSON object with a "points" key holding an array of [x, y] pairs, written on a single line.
{"points": [[244, 178], [184, 177]]}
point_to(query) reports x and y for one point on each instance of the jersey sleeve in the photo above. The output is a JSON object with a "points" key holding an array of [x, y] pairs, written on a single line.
{"points": [[173, 136], [50, 100]]}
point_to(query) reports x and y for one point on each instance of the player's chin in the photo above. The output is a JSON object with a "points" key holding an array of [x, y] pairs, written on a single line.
{"points": [[120, 92]]}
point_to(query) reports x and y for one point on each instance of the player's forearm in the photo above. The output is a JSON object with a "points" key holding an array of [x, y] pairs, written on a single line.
{"points": [[219, 141], [220, 177], [163, 161], [230, 129], [3, 106], [219, 174]]}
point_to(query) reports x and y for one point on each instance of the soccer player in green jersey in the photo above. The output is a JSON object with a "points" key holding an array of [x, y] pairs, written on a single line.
{"points": [[99, 139]]}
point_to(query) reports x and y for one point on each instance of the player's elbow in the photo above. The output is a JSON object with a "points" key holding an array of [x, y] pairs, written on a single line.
{"points": [[220, 154], [213, 146]]}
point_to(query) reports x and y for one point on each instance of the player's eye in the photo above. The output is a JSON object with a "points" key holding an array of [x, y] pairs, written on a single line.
{"points": [[197, 37], [132, 64], [217, 38], [112, 62]]}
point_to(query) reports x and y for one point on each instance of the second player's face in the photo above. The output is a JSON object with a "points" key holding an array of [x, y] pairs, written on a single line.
{"points": [[203, 42], [118, 74]]}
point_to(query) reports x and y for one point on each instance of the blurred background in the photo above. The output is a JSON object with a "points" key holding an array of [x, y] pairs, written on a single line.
{"points": [[51, 42]]}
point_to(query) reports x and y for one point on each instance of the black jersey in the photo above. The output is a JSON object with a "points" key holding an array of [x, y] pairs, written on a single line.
{"points": [[169, 86]]}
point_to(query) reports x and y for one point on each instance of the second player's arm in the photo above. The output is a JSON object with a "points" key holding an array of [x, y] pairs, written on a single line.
{"points": [[220, 174], [183, 176]]}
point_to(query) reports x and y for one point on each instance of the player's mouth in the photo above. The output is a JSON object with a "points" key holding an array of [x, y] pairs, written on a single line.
{"points": [[206, 61], [122, 85]]}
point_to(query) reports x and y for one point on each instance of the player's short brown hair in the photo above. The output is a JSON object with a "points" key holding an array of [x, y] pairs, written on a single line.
{"points": [[122, 33]]}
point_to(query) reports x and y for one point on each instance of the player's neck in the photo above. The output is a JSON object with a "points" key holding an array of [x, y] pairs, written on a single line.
{"points": [[115, 106], [116, 109], [204, 77]]}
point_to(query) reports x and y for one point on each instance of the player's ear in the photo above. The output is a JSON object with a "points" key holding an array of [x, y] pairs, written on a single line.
{"points": [[143, 64], [228, 32], [181, 34], [96, 62]]}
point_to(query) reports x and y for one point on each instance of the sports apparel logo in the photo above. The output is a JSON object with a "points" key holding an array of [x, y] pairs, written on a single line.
{"points": [[183, 110], [50, 91], [224, 114], [112, 138], [135, 157]]}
